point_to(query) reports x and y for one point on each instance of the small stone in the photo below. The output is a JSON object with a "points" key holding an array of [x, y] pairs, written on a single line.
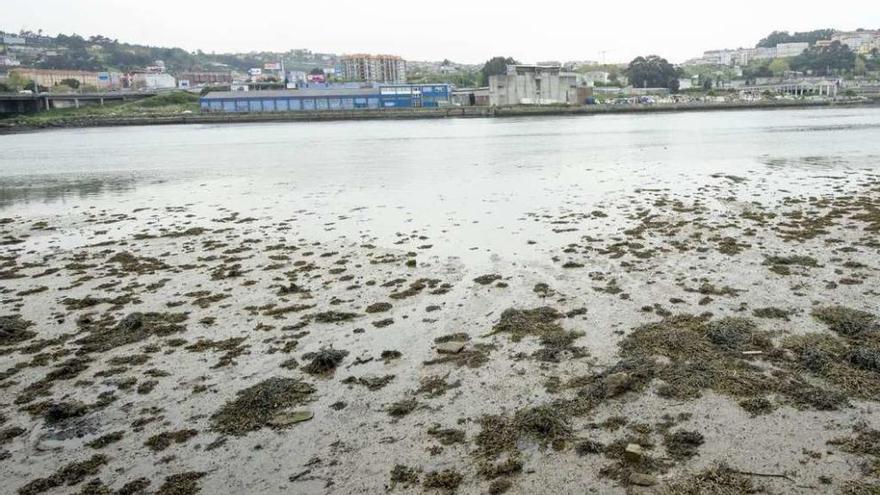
{"points": [[633, 452], [452, 347], [642, 479], [289, 418]]}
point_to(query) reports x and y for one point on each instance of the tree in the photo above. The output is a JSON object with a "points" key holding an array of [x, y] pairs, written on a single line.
{"points": [[860, 66], [779, 66], [653, 72], [70, 83], [495, 66], [811, 37], [825, 60]]}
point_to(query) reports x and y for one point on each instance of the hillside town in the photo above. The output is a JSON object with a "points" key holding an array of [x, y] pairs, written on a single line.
{"points": [[819, 65]]}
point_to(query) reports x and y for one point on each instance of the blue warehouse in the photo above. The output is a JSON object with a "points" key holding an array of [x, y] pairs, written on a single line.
{"points": [[396, 96]]}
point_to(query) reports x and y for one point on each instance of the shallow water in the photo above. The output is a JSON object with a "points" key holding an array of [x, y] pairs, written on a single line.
{"points": [[476, 176]]}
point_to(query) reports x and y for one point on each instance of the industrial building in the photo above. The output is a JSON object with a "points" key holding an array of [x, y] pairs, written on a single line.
{"points": [[537, 85], [388, 69], [49, 78], [197, 78], [391, 96]]}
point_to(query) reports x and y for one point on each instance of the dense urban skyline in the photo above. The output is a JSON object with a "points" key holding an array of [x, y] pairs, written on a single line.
{"points": [[461, 31]]}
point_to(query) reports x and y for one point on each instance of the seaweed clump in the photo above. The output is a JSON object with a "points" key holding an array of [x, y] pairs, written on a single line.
{"points": [[71, 474], [683, 444], [545, 424], [181, 484], [719, 479], [14, 329], [134, 328], [716, 355], [542, 323], [447, 480], [256, 406], [323, 362], [404, 476], [846, 321], [164, 440]]}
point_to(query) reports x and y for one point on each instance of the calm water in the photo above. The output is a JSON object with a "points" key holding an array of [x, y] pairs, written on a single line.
{"points": [[477, 176]]}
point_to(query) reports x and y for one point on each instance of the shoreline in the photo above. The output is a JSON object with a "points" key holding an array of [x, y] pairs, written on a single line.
{"points": [[415, 114]]}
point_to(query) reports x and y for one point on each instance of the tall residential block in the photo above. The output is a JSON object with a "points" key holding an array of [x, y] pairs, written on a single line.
{"points": [[374, 68]]}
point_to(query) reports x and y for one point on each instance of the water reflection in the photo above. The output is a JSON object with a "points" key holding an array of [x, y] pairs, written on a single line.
{"points": [[50, 188]]}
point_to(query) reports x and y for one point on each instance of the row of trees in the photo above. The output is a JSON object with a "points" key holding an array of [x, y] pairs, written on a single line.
{"points": [[811, 37]]}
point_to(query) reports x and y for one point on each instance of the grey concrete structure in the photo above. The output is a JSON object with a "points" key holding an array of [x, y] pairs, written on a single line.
{"points": [[534, 85]]}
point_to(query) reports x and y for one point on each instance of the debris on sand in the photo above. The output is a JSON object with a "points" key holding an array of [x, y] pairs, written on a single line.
{"points": [[846, 321], [71, 474], [683, 444], [14, 329], [379, 307], [371, 382], [324, 361], [519, 323], [447, 436], [181, 484], [162, 441], [105, 440], [404, 476], [719, 479], [136, 327], [545, 425], [487, 279], [447, 480], [256, 406], [402, 407], [333, 316]]}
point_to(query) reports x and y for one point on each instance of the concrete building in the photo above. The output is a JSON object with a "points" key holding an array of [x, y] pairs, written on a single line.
{"points": [[198, 78], [470, 97], [857, 41], [785, 50], [389, 69], [8, 61], [596, 76], [53, 77], [390, 96], [151, 80], [536, 85]]}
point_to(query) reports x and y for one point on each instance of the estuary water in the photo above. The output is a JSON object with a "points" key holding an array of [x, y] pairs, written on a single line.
{"points": [[478, 176]]}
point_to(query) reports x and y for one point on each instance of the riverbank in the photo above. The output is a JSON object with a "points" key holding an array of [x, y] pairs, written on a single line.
{"points": [[179, 115]]}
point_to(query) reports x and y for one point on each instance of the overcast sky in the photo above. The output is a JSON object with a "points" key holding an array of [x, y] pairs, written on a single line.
{"points": [[463, 31]]}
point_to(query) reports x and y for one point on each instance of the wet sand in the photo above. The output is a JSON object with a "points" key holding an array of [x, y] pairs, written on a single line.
{"points": [[715, 334]]}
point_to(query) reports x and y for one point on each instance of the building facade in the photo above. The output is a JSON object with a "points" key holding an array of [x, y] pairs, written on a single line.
{"points": [[785, 50], [388, 69], [390, 96], [151, 80], [536, 85], [49, 78], [197, 78]]}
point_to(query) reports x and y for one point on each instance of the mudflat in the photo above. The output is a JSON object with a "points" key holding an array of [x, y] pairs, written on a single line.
{"points": [[652, 315]]}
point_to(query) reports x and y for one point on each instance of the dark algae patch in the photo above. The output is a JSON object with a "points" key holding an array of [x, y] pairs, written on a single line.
{"points": [[71, 474], [14, 330], [165, 439], [256, 407], [181, 484], [324, 361], [103, 336], [846, 321]]}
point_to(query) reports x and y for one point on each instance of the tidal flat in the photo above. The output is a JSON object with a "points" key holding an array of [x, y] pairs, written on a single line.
{"points": [[651, 317]]}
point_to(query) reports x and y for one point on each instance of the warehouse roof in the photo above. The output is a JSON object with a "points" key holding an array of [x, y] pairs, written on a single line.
{"points": [[292, 93]]}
